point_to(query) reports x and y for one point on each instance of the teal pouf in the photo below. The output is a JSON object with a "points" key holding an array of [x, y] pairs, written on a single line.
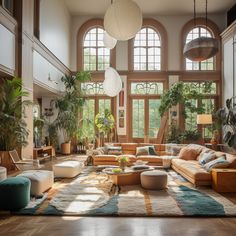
{"points": [[14, 193]]}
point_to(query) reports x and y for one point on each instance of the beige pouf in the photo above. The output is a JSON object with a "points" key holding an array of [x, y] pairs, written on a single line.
{"points": [[3, 173], [154, 180], [41, 180], [67, 169]]}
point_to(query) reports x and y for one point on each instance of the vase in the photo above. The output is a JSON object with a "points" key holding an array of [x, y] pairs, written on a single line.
{"points": [[122, 165]]}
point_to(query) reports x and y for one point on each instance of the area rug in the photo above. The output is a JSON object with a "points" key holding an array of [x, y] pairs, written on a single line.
{"points": [[92, 194]]}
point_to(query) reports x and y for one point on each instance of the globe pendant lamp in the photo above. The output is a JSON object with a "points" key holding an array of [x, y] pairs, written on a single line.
{"points": [[202, 48], [109, 42], [112, 84], [123, 19]]}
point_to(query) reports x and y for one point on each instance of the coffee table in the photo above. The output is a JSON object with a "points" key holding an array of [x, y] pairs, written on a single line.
{"points": [[127, 177]]}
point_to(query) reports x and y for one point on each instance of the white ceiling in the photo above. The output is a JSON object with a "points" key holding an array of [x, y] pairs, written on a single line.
{"points": [[150, 7]]}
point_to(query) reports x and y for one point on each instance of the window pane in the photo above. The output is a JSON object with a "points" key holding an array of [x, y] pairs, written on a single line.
{"points": [[88, 118], [154, 117], [92, 88], [96, 56], [146, 88], [147, 50], [209, 107], [104, 104], [138, 118], [191, 120]]}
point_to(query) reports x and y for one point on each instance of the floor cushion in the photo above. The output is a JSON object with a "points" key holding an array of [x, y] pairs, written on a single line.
{"points": [[15, 193], [154, 180], [41, 180], [67, 169]]}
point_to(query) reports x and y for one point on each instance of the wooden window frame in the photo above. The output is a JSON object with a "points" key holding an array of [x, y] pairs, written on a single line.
{"points": [[212, 28], [88, 25], [37, 19], [161, 31]]}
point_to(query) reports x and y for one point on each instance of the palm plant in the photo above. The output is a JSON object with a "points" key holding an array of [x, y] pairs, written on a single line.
{"points": [[13, 128]]}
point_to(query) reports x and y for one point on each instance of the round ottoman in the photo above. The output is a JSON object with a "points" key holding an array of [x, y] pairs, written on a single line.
{"points": [[3, 173], [154, 180], [15, 193]]}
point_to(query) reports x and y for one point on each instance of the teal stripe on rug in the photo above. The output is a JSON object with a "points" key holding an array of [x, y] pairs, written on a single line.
{"points": [[195, 203]]}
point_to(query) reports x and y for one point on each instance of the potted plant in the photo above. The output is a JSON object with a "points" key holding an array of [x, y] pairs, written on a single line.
{"points": [[226, 117], [13, 128], [123, 161], [105, 122], [69, 105]]}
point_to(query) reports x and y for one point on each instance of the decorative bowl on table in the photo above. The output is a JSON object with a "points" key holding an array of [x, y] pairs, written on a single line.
{"points": [[140, 162]]}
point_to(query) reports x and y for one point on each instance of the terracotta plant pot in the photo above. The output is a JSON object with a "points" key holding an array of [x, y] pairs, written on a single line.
{"points": [[6, 160], [66, 148]]}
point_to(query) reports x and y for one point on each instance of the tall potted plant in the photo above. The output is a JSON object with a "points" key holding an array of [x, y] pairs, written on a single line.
{"points": [[69, 105], [13, 128]]}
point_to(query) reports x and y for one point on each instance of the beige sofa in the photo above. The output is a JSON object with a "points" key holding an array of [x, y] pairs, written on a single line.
{"points": [[129, 149], [194, 172]]}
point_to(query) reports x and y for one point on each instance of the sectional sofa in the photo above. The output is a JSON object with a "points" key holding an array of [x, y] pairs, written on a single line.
{"points": [[189, 167]]}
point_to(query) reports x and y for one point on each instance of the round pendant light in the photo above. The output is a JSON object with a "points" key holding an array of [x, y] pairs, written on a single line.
{"points": [[109, 42], [201, 49], [123, 19], [112, 84]]}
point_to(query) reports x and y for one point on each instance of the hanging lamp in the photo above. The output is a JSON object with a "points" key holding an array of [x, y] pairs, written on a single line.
{"points": [[202, 48], [109, 42], [112, 84], [123, 19]]}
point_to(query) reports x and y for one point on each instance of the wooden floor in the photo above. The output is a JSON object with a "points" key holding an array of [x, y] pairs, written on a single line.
{"points": [[116, 226]]}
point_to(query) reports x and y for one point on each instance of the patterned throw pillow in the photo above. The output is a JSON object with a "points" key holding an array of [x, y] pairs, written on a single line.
{"points": [[207, 157], [114, 150], [142, 151], [152, 151], [220, 162]]}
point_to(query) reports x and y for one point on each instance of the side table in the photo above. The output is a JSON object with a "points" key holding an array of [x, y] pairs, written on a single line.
{"points": [[224, 180]]}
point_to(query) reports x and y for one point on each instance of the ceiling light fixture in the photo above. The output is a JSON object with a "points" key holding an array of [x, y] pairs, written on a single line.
{"points": [[109, 42], [112, 84], [123, 19], [202, 48]]}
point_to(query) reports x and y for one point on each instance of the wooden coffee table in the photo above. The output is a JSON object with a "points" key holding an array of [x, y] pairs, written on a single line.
{"points": [[127, 177]]}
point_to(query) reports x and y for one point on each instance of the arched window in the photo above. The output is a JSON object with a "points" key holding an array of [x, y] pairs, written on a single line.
{"points": [[95, 56], [92, 54], [192, 31], [147, 50]]}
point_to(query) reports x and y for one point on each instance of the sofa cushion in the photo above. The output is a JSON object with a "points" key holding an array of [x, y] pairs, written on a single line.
{"points": [[196, 147], [112, 150], [220, 162], [129, 148], [207, 157], [142, 151], [188, 154], [192, 169]]}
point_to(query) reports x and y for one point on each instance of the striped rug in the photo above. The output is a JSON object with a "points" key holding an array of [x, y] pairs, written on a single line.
{"points": [[92, 194]]}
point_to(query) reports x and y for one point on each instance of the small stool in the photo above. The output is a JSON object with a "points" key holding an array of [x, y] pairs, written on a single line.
{"points": [[41, 180], [67, 169], [15, 193], [154, 180], [3, 173]]}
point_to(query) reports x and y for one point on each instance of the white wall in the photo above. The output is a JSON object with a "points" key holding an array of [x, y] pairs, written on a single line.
{"points": [[173, 26], [7, 48], [55, 27], [42, 70]]}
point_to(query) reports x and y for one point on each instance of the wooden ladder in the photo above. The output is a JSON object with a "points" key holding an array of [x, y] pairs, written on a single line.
{"points": [[161, 131]]}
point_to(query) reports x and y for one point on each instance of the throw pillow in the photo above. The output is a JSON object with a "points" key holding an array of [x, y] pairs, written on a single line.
{"points": [[207, 157], [188, 154], [220, 162], [142, 151], [114, 150], [152, 151]]}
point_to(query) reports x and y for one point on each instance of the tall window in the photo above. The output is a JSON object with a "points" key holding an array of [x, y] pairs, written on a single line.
{"points": [[208, 104], [145, 101], [204, 65], [147, 50], [96, 101], [8, 5], [95, 56]]}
